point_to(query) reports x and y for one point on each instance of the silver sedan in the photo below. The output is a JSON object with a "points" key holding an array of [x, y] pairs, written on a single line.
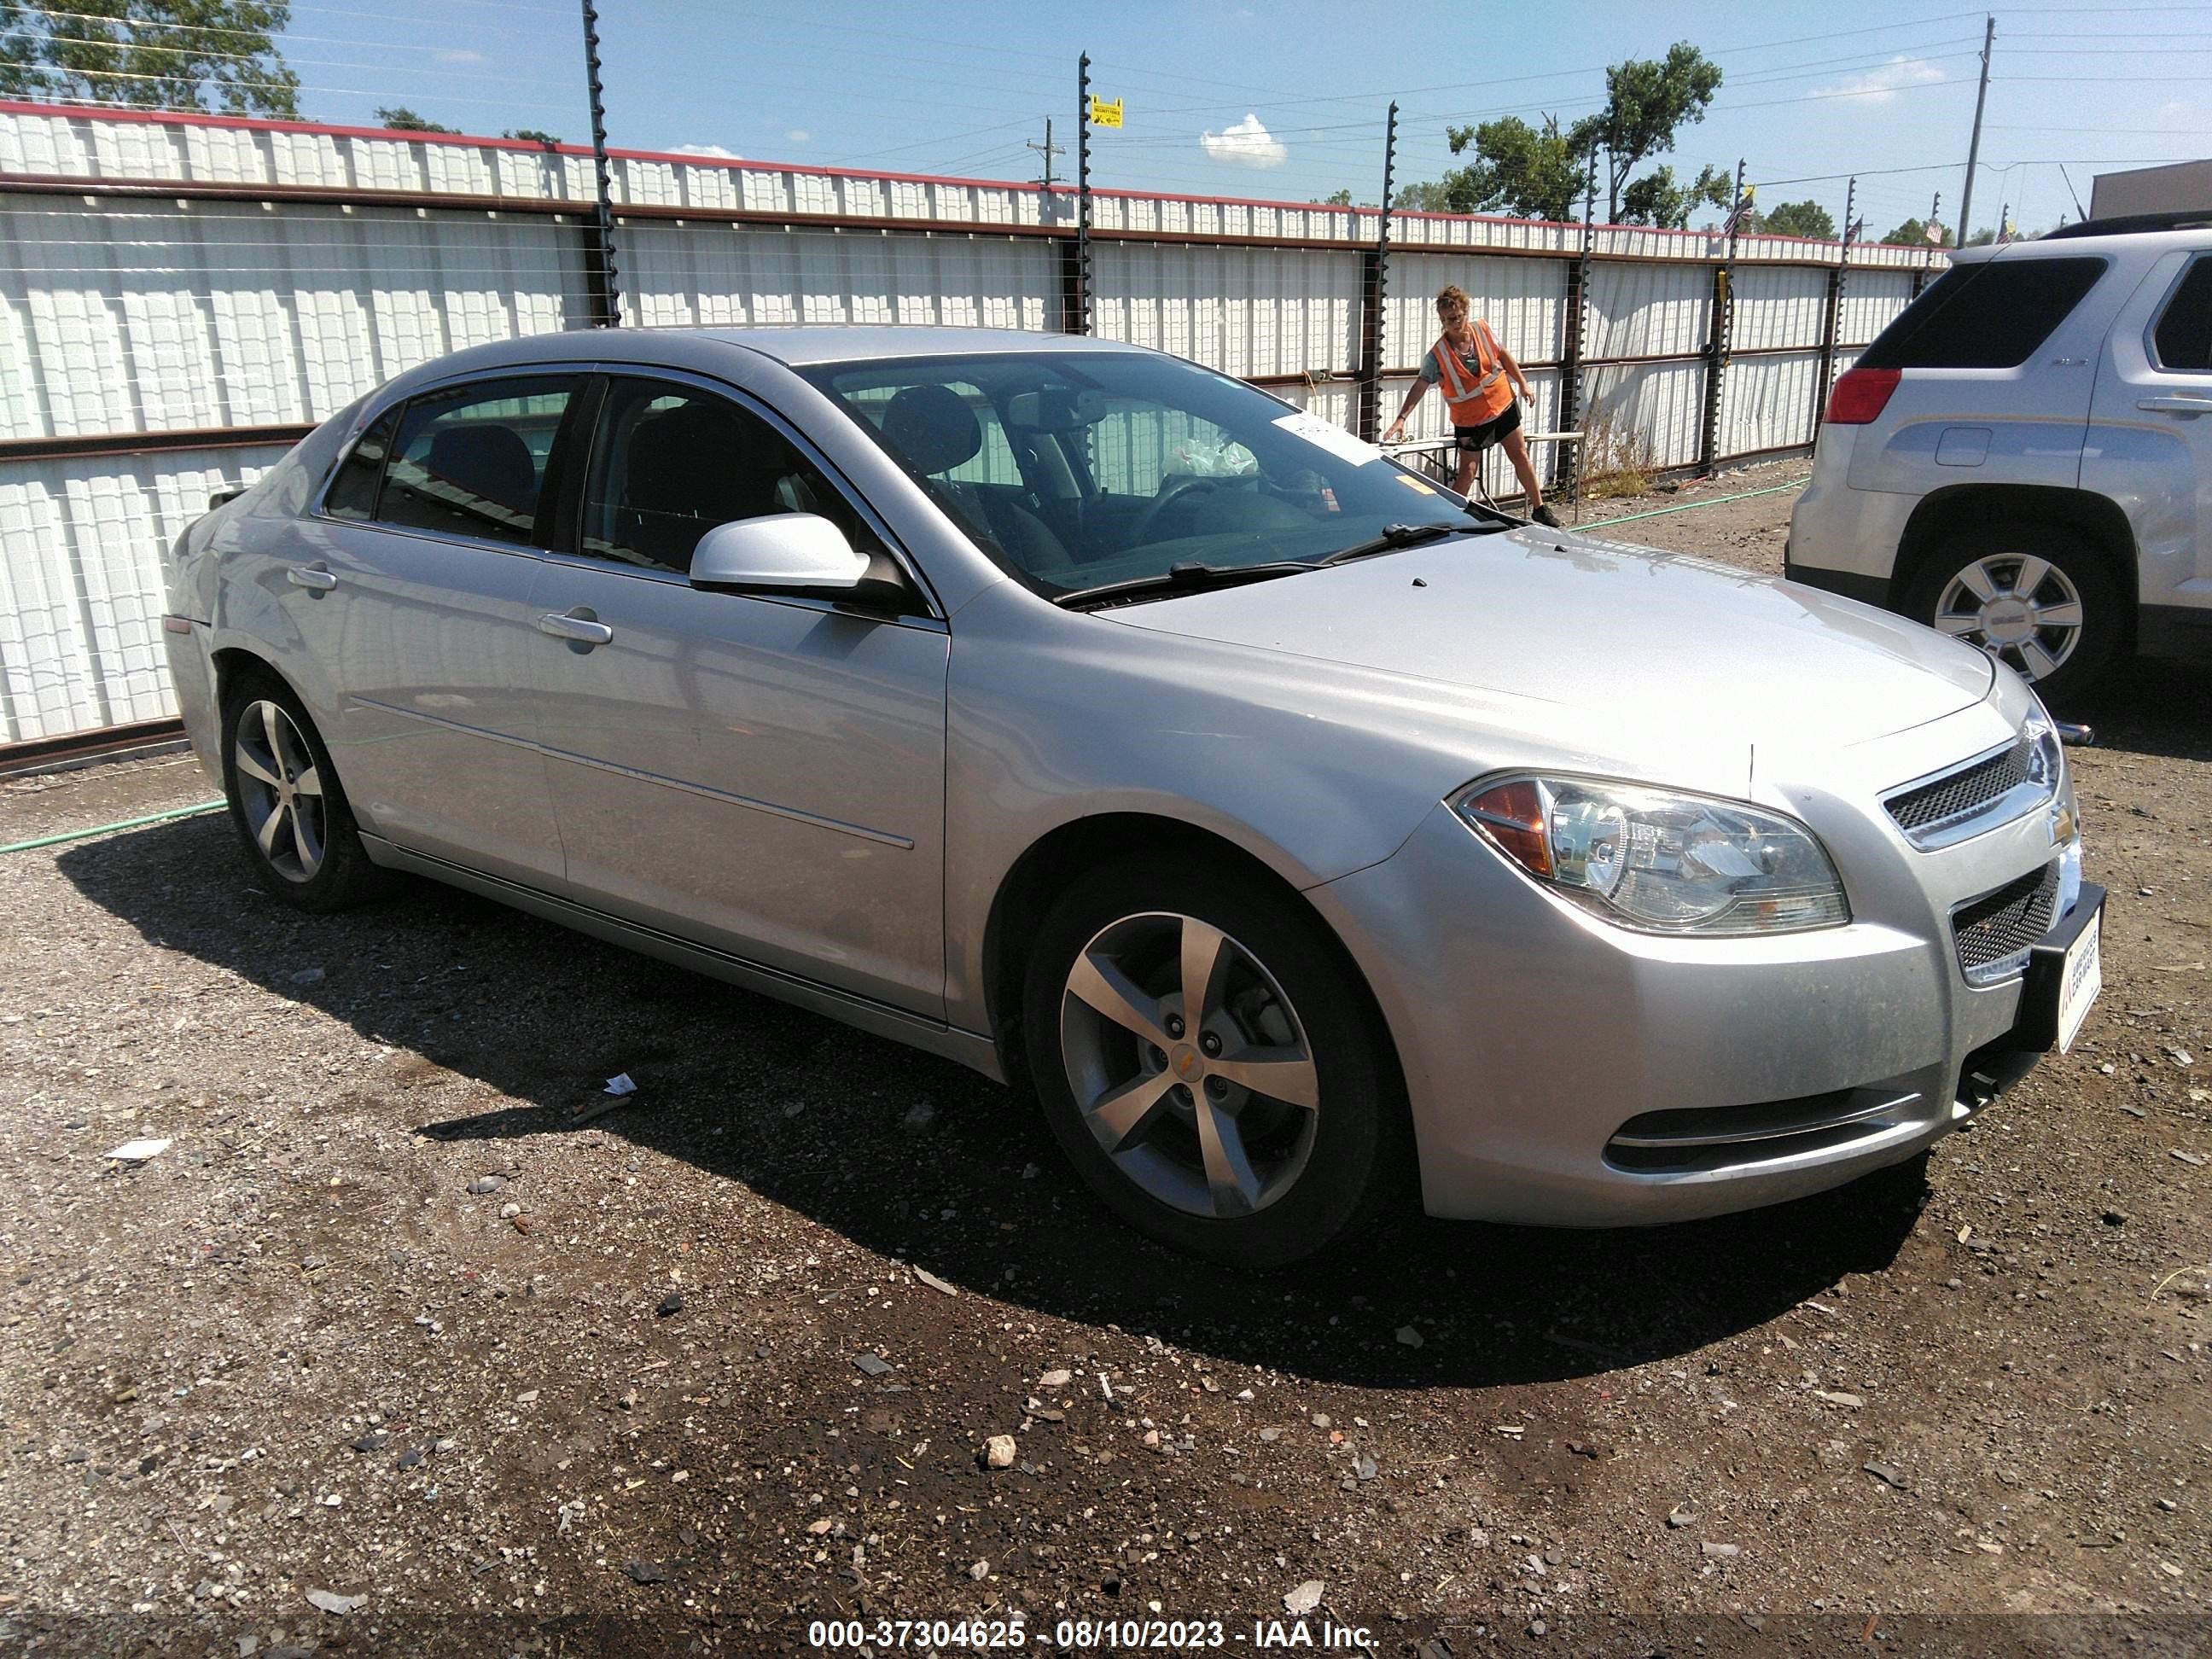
{"points": [[1297, 834]]}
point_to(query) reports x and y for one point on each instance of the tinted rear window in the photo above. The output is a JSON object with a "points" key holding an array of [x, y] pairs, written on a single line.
{"points": [[2185, 331], [1984, 316]]}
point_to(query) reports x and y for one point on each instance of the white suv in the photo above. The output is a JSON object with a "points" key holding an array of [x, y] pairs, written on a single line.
{"points": [[2023, 459]]}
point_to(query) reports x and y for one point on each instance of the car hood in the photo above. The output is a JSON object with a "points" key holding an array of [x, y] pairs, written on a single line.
{"points": [[1627, 638]]}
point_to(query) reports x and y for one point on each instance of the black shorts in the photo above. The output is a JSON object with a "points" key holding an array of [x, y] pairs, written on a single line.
{"points": [[1473, 440]]}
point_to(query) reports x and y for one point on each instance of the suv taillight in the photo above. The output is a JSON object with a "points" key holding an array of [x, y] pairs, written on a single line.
{"points": [[1861, 394]]}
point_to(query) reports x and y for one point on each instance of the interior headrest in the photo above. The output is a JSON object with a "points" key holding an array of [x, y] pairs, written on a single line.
{"points": [[933, 428]]}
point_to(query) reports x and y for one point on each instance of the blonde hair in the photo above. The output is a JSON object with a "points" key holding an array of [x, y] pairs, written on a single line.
{"points": [[1452, 297]]}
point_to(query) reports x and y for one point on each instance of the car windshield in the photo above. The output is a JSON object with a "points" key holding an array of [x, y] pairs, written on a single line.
{"points": [[1079, 472]]}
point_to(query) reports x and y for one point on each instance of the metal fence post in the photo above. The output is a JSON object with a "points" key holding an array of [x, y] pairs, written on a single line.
{"points": [[1376, 293], [1831, 334], [1083, 195], [1570, 357], [603, 279], [1718, 349]]}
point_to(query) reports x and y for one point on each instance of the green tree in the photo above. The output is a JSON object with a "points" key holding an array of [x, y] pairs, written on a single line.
{"points": [[1340, 197], [213, 55], [1534, 173], [1913, 233], [1799, 219], [1656, 199], [400, 118], [1981, 239], [1539, 171], [1423, 196], [1646, 100], [551, 141]]}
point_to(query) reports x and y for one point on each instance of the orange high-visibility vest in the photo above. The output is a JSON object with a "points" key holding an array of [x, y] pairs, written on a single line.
{"points": [[1473, 400]]}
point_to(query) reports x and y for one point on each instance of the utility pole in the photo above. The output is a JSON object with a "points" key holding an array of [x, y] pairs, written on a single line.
{"points": [[1974, 145], [607, 301], [1378, 291], [1083, 195], [1047, 150]]}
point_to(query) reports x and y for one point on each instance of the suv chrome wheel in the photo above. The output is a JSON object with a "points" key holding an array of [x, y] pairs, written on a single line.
{"points": [[281, 791], [1189, 1064], [2020, 608]]}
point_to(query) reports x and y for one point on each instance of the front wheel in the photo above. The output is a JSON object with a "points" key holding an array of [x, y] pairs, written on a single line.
{"points": [[2038, 598], [1213, 1065]]}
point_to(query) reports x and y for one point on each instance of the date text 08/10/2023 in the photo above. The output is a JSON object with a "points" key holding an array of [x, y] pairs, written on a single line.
{"points": [[1085, 1635]]}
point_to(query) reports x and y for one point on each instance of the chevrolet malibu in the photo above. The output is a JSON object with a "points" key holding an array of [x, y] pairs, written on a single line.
{"points": [[1300, 836]]}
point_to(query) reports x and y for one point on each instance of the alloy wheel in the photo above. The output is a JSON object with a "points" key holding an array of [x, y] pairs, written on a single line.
{"points": [[1190, 1065], [281, 790], [2022, 610]]}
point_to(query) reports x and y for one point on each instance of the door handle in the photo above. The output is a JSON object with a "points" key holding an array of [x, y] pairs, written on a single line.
{"points": [[584, 630], [311, 576], [2176, 405]]}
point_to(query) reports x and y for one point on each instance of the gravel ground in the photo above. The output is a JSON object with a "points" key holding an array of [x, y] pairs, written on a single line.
{"points": [[385, 1321]]}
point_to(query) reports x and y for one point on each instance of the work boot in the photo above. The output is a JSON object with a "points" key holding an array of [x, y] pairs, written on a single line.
{"points": [[1545, 515]]}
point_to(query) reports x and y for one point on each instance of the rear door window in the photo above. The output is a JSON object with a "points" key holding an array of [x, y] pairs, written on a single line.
{"points": [[470, 460], [2183, 334], [1995, 315]]}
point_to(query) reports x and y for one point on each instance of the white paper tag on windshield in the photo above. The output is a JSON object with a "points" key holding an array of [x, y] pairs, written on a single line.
{"points": [[1325, 434]]}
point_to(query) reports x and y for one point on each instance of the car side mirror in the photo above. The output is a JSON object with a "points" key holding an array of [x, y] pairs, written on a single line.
{"points": [[781, 553], [224, 497]]}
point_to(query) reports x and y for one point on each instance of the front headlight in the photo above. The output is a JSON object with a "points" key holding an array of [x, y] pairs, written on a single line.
{"points": [[1658, 859], [2044, 756]]}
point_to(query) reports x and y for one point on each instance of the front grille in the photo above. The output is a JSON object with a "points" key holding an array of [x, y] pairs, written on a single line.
{"points": [[1712, 1137], [1926, 809], [1995, 931]]}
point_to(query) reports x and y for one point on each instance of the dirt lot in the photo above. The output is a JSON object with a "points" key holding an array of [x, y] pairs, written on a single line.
{"points": [[382, 1323]]}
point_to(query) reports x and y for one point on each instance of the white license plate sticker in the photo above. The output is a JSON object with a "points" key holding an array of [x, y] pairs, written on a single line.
{"points": [[2080, 978]]}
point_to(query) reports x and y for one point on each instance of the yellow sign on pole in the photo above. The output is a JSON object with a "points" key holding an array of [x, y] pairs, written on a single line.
{"points": [[1103, 114]]}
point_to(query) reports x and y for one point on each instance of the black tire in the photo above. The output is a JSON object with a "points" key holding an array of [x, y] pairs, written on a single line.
{"points": [[2074, 562], [339, 874], [1357, 1159]]}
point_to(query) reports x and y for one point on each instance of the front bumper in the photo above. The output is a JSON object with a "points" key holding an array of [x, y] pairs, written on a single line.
{"points": [[1531, 1034]]}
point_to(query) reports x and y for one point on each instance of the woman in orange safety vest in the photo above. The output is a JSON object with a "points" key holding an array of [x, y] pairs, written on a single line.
{"points": [[1478, 376]]}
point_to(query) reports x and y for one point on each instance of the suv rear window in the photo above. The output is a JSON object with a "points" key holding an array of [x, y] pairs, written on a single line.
{"points": [[1984, 316]]}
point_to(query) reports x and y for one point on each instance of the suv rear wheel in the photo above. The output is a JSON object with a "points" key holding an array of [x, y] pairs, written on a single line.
{"points": [[2039, 599]]}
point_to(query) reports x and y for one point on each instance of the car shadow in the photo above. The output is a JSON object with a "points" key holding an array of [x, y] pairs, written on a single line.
{"points": [[2149, 707], [919, 1159]]}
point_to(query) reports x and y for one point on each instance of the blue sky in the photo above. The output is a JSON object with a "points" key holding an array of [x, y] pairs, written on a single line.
{"points": [[1286, 100]]}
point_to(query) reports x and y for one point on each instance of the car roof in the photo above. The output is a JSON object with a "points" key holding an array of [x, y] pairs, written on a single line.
{"points": [[794, 345], [2091, 237], [814, 342]]}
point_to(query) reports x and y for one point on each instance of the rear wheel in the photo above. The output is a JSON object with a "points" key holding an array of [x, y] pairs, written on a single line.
{"points": [[2039, 598], [1212, 1064], [286, 803]]}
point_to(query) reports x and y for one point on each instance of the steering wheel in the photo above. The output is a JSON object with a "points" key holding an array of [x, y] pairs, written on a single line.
{"points": [[1142, 531]]}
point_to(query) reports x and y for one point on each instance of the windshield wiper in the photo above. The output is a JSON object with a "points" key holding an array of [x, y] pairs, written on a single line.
{"points": [[1187, 576], [1396, 536]]}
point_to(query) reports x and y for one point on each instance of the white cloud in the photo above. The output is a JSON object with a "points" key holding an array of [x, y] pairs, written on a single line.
{"points": [[799, 135], [1245, 144], [1880, 85], [713, 152], [461, 55]]}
